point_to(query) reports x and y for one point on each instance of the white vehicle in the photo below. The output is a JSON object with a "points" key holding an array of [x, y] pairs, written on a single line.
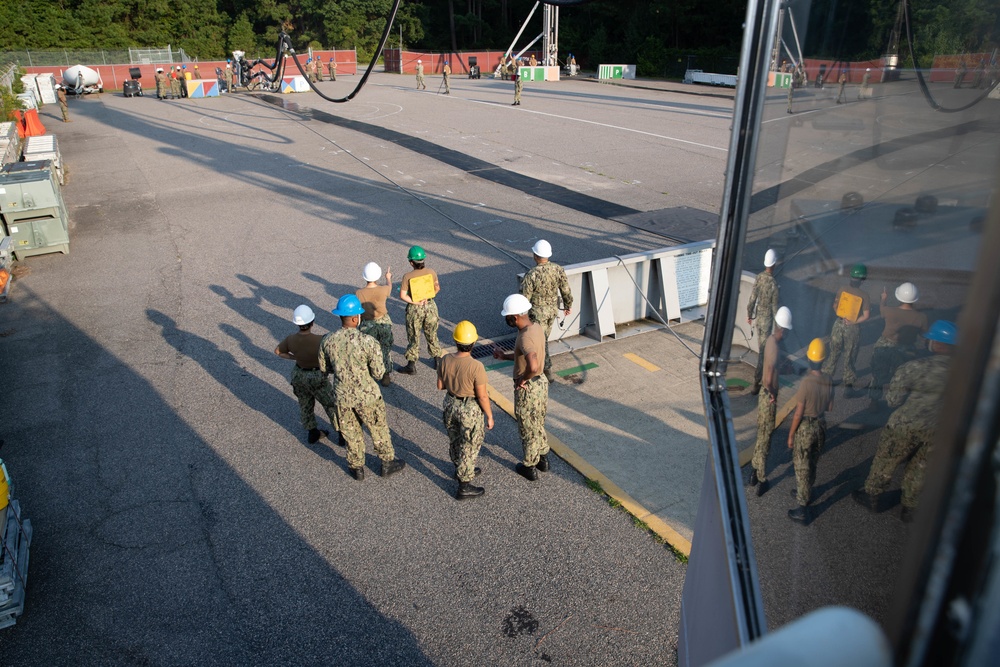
{"points": [[80, 79]]}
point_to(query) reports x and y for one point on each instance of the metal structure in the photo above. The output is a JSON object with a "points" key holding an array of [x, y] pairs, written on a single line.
{"points": [[32, 209]]}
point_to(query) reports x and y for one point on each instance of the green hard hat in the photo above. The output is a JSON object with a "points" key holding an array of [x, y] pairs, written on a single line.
{"points": [[416, 254], [859, 271]]}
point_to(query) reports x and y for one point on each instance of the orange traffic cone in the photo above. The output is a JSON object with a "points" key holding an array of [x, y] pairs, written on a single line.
{"points": [[32, 124]]}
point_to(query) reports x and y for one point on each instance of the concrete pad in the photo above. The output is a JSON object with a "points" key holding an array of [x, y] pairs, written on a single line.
{"points": [[643, 430]]}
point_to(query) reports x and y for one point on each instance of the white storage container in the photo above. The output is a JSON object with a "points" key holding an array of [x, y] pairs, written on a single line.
{"points": [[45, 147]]}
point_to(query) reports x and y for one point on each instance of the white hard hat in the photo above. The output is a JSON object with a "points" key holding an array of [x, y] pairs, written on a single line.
{"points": [[371, 272], [770, 257], [783, 318], [419, 61], [515, 304], [303, 315], [542, 248], [907, 293], [868, 69]]}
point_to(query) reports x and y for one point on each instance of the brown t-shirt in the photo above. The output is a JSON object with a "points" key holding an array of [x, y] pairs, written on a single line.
{"points": [[858, 293], [815, 392], [902, 325], [305, 347], [461, 375], [373, 300], [531, 339], [404, 287]]}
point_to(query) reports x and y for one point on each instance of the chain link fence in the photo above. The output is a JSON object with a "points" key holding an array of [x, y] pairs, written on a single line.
{"points": [[7, 78], [67, 58]]}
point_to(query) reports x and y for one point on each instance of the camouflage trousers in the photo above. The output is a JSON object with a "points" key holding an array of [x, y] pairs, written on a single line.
{"points": [[64, 108], [371, 415], [380, 330], [310, 387], [806, 447], [887, 357], [897, 444], [530, 404], [762, 336], [766, 411], [422, 319], [546, 320], [843, 339], [463, 419]]}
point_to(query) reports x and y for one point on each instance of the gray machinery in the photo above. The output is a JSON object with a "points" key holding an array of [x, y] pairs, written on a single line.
{"points": [[32, 209]]}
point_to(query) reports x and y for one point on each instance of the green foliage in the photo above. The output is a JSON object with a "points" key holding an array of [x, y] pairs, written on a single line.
{"points": [[8, 98]]}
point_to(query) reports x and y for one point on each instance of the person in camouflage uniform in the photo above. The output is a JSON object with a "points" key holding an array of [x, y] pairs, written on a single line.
{"points": [[807, 434], [465, 406], [354, 359], [308, 383], [376, 321], [542, 286], [531, 389], [897, 344], [420, 315], [846, 334], [767, 401], [762, 306], [916, 391]]}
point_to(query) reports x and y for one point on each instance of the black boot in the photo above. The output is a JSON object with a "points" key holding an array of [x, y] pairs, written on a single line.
{"points": [[392, 467], [527, 472], [315, 434], [466, 491], [906, 514], [754, 480], [357, 473], [386, 379], [763, 487], [800, 514], [867, 500], [543, 463], [410, 368]]}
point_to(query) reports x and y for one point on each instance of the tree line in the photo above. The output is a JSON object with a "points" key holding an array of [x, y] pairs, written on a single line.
{"points": [[656, 35]]}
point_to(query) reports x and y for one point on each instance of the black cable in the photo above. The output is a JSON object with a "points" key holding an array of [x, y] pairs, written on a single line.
{"points": [[920, 77], [371, 65]]}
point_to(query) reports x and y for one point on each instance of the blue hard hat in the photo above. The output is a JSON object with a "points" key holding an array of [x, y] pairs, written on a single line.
{"points": [[942, 331], [348, 306]]}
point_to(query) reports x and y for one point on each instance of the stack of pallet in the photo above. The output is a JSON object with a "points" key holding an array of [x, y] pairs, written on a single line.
{"points": [[15, 539], [10, 143]]}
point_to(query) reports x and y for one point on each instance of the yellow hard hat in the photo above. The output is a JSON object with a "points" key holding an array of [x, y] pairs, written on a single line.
{"points": [[817, 350], [465, 333]]}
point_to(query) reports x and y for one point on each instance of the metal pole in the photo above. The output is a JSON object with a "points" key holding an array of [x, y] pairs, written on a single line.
{"points": [[523, 26]]}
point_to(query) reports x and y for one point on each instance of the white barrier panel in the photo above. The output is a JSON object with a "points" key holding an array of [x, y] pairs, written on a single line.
{"points": [[669, 283]]}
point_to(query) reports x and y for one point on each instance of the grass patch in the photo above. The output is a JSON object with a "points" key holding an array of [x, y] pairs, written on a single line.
{"points": [[596, 487]]}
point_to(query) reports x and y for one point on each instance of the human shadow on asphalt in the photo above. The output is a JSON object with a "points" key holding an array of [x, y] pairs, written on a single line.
{"points": [[197, 565], [840, 487], [221, 365]]}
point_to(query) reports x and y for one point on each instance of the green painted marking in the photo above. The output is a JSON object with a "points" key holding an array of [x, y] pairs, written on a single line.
{"points": [[499, 365], [575, 369], [736, 382]]}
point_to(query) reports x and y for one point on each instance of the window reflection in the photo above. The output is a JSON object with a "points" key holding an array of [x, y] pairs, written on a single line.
{"points": [[872, 185]]}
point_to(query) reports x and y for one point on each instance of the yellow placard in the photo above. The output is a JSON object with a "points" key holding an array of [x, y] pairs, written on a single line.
{"points": [[849, 306], [422, 287]]}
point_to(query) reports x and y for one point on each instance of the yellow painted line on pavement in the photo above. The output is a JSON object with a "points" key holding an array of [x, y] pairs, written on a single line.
{"points": [[655, 523], [635, 358]]}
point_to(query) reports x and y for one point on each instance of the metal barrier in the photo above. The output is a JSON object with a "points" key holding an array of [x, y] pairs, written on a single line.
{"points": [[666, 285]]}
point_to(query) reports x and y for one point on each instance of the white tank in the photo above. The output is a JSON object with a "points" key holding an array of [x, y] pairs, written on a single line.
{"points": [[83, 79]]}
